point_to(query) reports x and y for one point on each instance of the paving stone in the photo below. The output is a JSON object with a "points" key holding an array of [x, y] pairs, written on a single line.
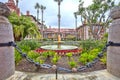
{"points": [[96, 75], [18, 76]]}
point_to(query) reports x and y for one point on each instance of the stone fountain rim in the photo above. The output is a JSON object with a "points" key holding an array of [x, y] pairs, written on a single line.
{"points": [[74, 47]]}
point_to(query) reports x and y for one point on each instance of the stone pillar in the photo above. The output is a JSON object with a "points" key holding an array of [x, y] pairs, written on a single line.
{"points": [[113, 52], [7, 66]]}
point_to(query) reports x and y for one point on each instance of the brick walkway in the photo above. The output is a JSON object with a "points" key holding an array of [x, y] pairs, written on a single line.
{"points": [[97, 75]]}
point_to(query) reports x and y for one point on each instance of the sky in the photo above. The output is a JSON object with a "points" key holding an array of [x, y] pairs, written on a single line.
{"points": [[68, 7]]}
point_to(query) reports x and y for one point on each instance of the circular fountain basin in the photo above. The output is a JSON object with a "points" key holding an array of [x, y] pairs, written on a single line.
{"points": [[61, 51], [62, 47]]}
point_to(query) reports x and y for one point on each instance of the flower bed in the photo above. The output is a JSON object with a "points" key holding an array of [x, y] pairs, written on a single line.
{"points": [[61, 52]]}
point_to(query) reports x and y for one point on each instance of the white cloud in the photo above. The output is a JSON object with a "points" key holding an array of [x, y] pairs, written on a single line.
{"points": [[68, 7], [87, 2]]}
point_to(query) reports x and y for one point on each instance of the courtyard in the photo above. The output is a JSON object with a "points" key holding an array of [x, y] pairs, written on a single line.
{"points": [[45, 48]]}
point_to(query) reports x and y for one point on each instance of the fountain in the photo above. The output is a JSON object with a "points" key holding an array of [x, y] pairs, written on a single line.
{"points": [[59, 48], [59, 41]]}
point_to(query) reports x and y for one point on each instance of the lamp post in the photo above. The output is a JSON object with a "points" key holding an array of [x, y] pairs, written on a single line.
{"points": [[75, 15], [59, 16], [42, 11]]}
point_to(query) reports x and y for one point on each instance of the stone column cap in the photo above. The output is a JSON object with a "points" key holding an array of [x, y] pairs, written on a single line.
{"points": [[4, 10], [115, 12]]}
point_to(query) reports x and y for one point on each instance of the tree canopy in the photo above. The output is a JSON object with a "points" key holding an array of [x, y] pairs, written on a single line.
{"points": [[96, 14], [23, 26]]}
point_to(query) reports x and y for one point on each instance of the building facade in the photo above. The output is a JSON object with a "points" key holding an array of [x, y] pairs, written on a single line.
{"points": [[84, 32], [12, 6], [51, 33]]}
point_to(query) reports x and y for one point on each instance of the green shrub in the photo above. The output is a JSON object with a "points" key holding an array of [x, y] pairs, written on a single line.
{"points": [[18, 57], [45, 39], [55, 59], [105, 37], [90, 56], [94, 52], [104, 59], [83, 58], [26, 46], [51, 53], [38, 59], [69, 55], [45, 54], [33, 55], [30, 43], [88, 45], [48, 54], [72, 64], [90, 50]]}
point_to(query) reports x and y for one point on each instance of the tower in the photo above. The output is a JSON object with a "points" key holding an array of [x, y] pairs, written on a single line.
{"points": [[13, 8]]}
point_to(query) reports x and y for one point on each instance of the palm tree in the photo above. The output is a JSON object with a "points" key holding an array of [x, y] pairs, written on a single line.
{"points": [[17, 1], [59, 1], [37, 6], [18, 32], [75, 15], [23, 26], [42, 9]]}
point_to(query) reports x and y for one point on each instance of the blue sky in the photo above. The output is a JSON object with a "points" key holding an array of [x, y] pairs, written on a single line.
{"points": [[68, 7]]}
